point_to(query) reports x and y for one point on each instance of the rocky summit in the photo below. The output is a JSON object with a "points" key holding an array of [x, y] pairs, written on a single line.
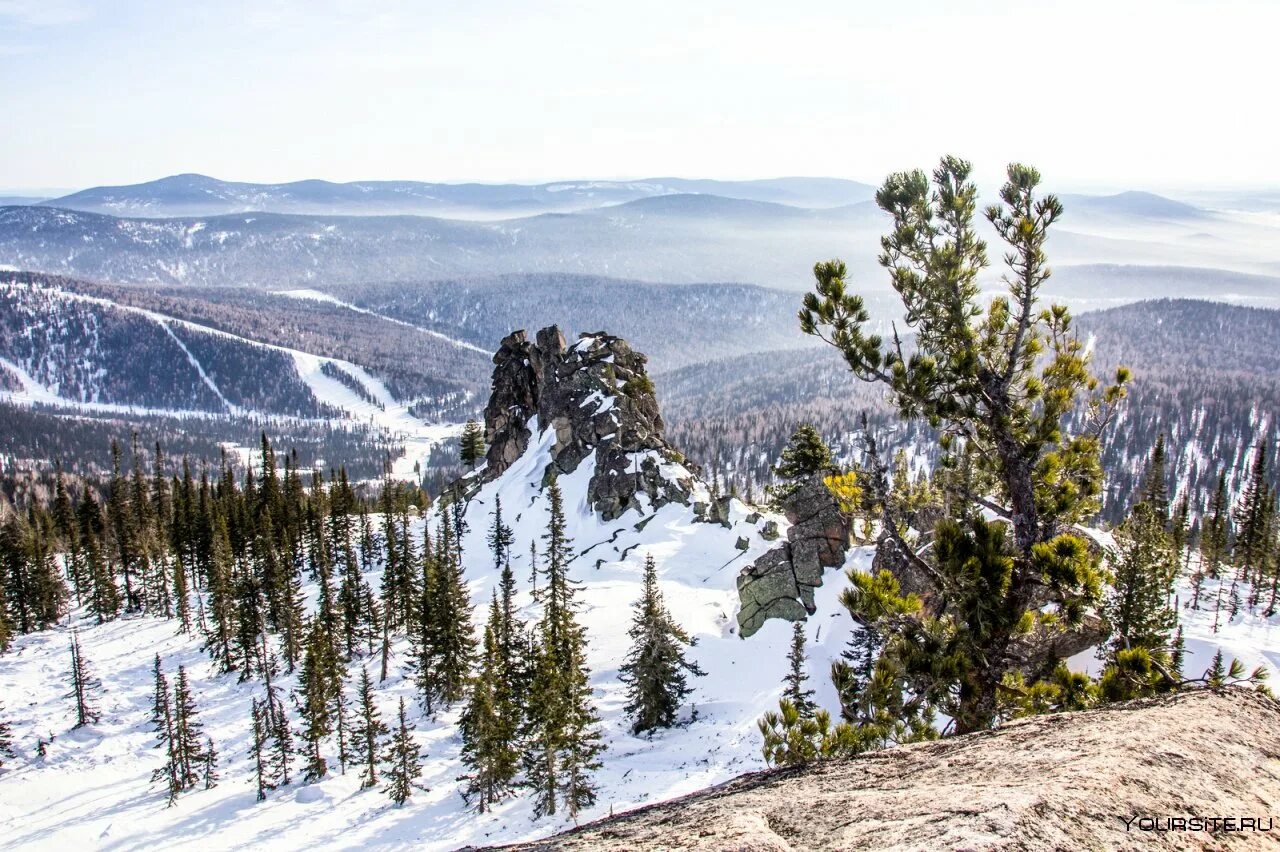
{"points": [[600, 401]]}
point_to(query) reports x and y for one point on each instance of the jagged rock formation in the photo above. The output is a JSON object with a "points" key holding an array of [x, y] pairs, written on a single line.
{"points": [[599, 400], [1071, 781], [780, 584]]}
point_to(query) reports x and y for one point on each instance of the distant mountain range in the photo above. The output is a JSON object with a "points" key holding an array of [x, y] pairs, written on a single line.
{"points": [[198, 195], [1104, 251]]}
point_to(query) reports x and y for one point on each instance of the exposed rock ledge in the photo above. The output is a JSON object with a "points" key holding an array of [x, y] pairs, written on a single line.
{"points": [[780, 583], [1051, 782]]}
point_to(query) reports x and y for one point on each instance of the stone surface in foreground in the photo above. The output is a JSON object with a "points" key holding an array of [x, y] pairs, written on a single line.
{"points": [[1053, 782]]}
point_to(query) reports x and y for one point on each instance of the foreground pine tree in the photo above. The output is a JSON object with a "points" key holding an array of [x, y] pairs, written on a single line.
{"points": [[317, 692], [84, 686], [368, 733], [656, 671], [806, 454], [404, 758], [998, 380], [187, 732]]}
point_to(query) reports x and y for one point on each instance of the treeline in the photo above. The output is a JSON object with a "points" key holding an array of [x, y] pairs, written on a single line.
{"points": [[233, 560], [34, 437]]}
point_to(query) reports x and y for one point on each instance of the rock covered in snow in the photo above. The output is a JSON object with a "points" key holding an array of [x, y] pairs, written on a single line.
{"points": [[597, 397]]}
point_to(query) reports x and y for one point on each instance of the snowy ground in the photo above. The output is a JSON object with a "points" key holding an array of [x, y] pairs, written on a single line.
{"points": [[93, 790]]}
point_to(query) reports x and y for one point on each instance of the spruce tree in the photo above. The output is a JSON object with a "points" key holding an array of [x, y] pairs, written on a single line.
{"points": [[454, 640], [1214, 540], [315, 699], [47, 591], [188, 745], [562, 738], [261, 772], [1155, 490], [490, 722], [6, 738], [162, 718], [656, 669], [210, 764], [471, 449], [368, 733], [500, 537], [1144, 565], [806, 454], [1252, 519], [83, 685], [404, 758], [800, 698]]}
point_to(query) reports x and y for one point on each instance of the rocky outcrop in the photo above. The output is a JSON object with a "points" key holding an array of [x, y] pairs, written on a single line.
{"points": [[1092, 780], [780, 584], [598, 399]]}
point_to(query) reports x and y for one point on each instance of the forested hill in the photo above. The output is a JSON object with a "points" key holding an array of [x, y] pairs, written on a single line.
{"points": [[1205, 375]]}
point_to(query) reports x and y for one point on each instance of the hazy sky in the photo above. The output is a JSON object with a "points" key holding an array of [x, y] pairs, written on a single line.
{"points": [[1099, 95]]}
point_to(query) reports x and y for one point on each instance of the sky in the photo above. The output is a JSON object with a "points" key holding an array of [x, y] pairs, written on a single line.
{"points": [[1098, 95]]}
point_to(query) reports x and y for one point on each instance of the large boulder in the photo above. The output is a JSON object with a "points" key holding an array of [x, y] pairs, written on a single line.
{"points": [[781, 583]]}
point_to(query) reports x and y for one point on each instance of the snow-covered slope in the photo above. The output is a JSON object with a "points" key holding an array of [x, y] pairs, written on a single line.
{"points": [[69, 350], [92, 787]]}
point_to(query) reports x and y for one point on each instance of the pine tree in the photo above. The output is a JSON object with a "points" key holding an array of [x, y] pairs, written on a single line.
{"points": [[188, 746], [472, 444], [6, 738], [998, 380], [454, 639], [1145, 565], [83, 685], [424, 637], [500, 537], [490, 723], [806, 454], [580, 739], [1214, 540], [368, 733], [260, 723], [404, 757], [47, 591], [656, 669], [561, 734], [1252, 519], [162, 718], [1155, 490], [315, 698], [210, 764], [800, 698]]}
